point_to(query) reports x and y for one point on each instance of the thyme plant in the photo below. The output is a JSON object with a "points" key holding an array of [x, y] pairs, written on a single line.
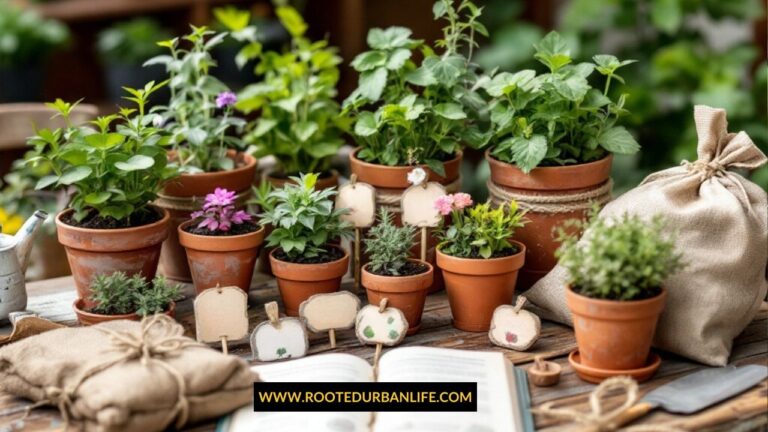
{"points": [[118, 294], [388, 245]]}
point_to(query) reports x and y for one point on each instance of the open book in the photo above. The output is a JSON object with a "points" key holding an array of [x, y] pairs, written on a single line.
{"points": [[502, 393]]}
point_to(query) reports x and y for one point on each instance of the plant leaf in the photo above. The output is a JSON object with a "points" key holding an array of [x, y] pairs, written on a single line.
{"points": [[291, 20], [372, 83], [304, 130], [450, 111], [75, 174], [136, 162], [618, 140], [528, 153]]}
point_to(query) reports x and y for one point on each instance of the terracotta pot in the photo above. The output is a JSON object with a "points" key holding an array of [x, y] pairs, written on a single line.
{"points": [[104, 251], [323, 182], [614, 335], [556, 180], [89, 318], [297, 282], [407, 293], [476, 287], [184, 194], [221, 260]]}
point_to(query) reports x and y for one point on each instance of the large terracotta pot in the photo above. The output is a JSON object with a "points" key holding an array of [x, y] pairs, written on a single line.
{"points": [[92, 252], [298, 282], [407, 293], [614, 335], [185, 194], [89, 318], [544, 181], [476, 287], [221, 260]]}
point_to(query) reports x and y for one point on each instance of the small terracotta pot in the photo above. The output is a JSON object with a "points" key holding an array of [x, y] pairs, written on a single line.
{"points": [[614, 335], [323, 182], [297, 282], [89, 318], [407, 293], [476, 287], [221, 260], [92, 252], [555, 180]]}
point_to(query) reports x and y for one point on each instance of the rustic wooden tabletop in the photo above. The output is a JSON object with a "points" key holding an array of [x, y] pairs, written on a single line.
{"points": [[53, 298]]}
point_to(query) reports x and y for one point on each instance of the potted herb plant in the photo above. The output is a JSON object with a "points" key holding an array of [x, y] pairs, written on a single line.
{"points": [[222, 243], [552, 135], [307, 258], [118, 296], [110, 224], [298, 118], [391, 273], [123, 48], [615, 287], [205, 137], [478, 257]]}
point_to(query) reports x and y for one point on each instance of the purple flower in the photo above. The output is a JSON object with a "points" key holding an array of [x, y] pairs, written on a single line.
{"points": [[218, 213], [225, 99], [219, 198]]}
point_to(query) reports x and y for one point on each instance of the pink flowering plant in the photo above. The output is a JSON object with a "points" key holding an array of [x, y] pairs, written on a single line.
{"points": [[218, 213], [477, 231]]}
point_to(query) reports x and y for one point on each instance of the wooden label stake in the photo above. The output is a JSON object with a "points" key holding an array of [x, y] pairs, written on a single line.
{"points": [[513, 327], [330, 312], [380, 326], [221, 315], [418, 204], [278, 338], [360, 200]]}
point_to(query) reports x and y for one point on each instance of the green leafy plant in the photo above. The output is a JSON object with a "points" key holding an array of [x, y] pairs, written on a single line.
{"points": [[199, 113], [26, 37], [299, 121], [557, 118], [118, 294], [304, 219], [19, 199], [623, 258], [477, 231], [407, 114], [131, 42], [388, 245], [262, 197], [113, 174]]}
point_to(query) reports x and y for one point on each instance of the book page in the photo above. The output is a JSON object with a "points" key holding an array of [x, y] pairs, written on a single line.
{"points": [[319, 368], [496, 397]]}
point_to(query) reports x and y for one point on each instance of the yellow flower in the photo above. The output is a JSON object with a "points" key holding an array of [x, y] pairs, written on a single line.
{"points": [[10, 222]]}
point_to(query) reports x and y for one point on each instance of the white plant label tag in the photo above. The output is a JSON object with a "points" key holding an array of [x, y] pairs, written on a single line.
{"points": [[513, 327], [418, 204], [279, 338], [334, 311], [221, 313], [360, 199], [387, 327]]}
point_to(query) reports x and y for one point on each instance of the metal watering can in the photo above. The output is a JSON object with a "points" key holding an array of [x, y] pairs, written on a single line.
{"points": [[14, 257]]}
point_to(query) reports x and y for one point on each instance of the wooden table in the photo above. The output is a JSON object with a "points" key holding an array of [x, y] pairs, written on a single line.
{"points": [[53, 298]]}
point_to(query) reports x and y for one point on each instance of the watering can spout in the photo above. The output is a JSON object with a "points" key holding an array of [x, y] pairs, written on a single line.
{"points": [[25, 235]]}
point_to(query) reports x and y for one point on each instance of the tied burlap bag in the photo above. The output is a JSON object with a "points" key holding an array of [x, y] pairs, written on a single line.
{"points": [[721, 222], [126, 376]]}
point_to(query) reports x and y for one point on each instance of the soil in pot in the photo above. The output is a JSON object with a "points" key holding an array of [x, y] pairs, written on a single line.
{"points": [[614, 335], [407, 291], [476, 286], [299, 279], [86, 316]]}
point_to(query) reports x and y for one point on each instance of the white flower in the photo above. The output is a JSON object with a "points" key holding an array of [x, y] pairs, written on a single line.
{"points": [[158, 121], [417, 176]]}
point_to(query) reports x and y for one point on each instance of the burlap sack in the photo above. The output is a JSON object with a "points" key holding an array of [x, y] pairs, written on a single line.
{"points": [[721, 219], [126, 376]]}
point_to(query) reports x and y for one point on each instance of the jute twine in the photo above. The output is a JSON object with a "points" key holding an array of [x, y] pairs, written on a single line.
{"points": [[597, 419], [390, 198], [193, 203], [552, 203]]}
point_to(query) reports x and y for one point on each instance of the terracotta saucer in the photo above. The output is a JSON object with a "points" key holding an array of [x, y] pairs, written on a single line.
{"points": [[595, 375]]}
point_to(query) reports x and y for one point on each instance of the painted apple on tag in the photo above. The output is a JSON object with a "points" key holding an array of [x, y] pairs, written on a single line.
{"points": [[514, 328]]}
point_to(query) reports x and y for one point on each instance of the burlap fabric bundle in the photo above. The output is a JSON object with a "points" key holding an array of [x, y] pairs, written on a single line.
{"points": [[721, 219], [126, 376]]}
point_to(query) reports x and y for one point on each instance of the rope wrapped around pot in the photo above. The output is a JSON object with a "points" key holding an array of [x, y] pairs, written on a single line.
{"points": [[552, 203], [190, 204], [390, 198]]}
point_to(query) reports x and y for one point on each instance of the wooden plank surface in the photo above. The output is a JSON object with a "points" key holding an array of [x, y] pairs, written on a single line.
{"points": [[53, 299]]}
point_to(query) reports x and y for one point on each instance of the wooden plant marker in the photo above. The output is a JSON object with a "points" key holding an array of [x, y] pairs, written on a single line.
{"points": [[279, 338], [360, 199], [418, 204], [221, 314], [514, 328], [330, 312], [380, 325]]}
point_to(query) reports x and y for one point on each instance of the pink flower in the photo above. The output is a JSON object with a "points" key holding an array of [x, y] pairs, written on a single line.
{"points": [[219, 198], [225, 99], [444, 204], [219, 212], [240, 216], [462, 200]]}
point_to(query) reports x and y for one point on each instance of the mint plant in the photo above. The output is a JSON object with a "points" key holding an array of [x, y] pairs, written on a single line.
{"points": [[115, 166], [556, 118], [388, 245], [118, 294], [218, 212]]}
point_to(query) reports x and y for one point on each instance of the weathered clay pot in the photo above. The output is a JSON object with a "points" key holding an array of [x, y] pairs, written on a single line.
{"points": [[407, 293], [104, 251], [543, 181], [221, 260], [297, 282], [476, 287], [89, 318], [185, 194], [614, 335]]}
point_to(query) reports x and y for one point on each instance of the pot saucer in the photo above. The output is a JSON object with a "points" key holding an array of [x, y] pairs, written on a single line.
{"points": [[596, 375]]}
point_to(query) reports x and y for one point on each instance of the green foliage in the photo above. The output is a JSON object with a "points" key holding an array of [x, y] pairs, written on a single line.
{"points": [[25, 37], [388, 245], [407, 114], [19, 197], [118, 294], [298, 120], [480, 231], [201, 130], [262, 197], [624, 258], [131, 42], [113, 174], [304, 219]]}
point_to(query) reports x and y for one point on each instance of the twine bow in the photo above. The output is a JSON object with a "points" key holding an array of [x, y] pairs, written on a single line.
{"points": [[705, 169]]}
